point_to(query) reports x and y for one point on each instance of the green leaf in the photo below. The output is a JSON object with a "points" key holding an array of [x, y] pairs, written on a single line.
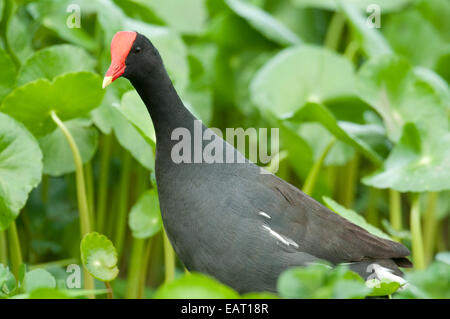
{"points": [[18, 173], [302, 282], [52, 15], [259, 295], [19, 35], [195, 286], [48, 293], [369, 39], [444, 257], [38, 278], [58, 158], [298, 75], [264, 22], [71, 95], [354, 217], [390, 85], [130, 139], [99, 256], [382, 288], [431, 283], [320, 281], [315, 112], [145, 216], [350, 289], [385, 5], [187, 17], [318, 138], [416, 164], [412, 36], [136, 112], [436, 12], [109, 117], [7, 282], [53, 61], [8, 74]]}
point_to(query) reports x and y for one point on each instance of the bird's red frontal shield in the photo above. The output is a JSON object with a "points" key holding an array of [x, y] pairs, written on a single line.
{"points": [[120, 48]]}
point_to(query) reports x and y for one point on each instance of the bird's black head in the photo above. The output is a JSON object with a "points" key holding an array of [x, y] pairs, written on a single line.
{"points": [[132, 56]]}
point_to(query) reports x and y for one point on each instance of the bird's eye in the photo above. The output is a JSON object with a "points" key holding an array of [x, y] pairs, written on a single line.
{"points": [[137, 49]]}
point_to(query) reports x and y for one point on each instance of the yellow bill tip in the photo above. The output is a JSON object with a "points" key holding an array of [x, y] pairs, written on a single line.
{"points": [[107, 80]]}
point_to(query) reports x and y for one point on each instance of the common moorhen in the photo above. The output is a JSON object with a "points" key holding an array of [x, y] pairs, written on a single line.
{"points": [[235, 221]]}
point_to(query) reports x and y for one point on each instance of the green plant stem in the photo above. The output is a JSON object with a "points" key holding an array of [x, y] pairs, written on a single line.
{"points": [[9, 8], [144, 269], [44, 188], [83, 207], [372, 208], [334, 31], [134, 270], [351, 175], [395, 210], [90, 192], [121, 222], [310, 183], [3, 249], [351, 50], [102, 191], [430, 226], [416, 234], [109, 290], [15, 252], [169, 259]]}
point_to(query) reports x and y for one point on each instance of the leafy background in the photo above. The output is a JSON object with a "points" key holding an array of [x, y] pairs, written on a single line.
{"points": [[363, 115]]}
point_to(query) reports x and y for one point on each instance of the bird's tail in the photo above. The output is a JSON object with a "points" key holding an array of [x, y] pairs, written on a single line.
{"points": [[382, 269]]}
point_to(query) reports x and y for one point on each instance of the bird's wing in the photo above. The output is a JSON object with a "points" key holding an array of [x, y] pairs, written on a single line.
{"points": [[317, 230]]}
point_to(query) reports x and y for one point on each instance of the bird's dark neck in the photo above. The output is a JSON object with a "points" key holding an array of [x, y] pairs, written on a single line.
{"points": [[163, 103]]}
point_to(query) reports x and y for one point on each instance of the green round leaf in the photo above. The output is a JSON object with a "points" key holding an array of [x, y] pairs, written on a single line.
{"points": [[7, 282], [419, 42], [20, 168], [298, 75], [71, 95], [382, 288], [53, 61], [444, 257], [145, 216], [418, 163], [315, 112], [136, 112], [52, 15], [370, 39], [99, 256], [38, 278], [58, 158], [431, 283], [187, 17], [302, 282], [195, 286], [385, 5], [8, 74], [264, 22], [389, 85]]}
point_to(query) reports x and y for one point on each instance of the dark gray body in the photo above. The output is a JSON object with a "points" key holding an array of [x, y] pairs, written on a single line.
{"points": [[245, 227], [229, 220]]}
